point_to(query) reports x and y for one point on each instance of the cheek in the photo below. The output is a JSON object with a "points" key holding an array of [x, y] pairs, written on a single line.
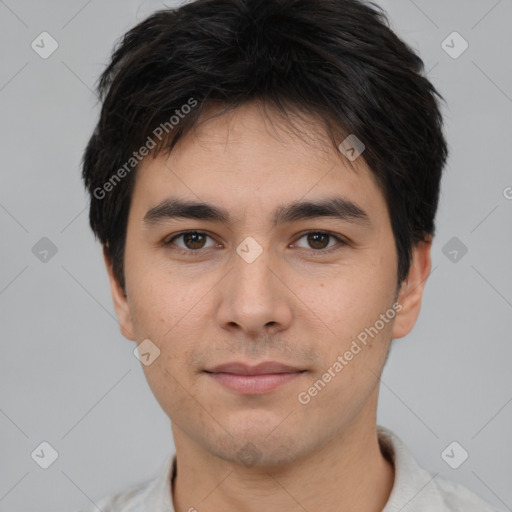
{"points": [[159, 302], [171, 391], [173, 314], [347, 314], [348, 300]]}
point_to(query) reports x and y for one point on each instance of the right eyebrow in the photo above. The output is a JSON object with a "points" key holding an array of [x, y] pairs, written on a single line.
{"points": [[174, 208]]}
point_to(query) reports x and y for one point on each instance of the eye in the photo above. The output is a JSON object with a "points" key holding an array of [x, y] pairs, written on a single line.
{"points": [[319, 241], [192, 241]]}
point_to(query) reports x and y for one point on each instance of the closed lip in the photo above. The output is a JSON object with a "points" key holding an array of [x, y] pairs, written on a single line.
{"points": [[267, 367]]}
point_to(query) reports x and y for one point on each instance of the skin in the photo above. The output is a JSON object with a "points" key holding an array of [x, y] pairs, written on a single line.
{"points": [[295, 304]]}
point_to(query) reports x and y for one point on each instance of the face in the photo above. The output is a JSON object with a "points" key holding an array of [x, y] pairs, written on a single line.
{"points": [[256, 278]]}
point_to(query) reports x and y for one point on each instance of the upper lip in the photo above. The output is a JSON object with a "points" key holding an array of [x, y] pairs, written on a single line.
{"points": [[259, 369]]}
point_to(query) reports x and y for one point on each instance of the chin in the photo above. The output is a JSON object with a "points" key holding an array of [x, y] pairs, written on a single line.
{"points": [[257, 447]]}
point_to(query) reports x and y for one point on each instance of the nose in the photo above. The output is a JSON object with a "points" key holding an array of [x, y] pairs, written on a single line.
{"points": [[254, 299]]}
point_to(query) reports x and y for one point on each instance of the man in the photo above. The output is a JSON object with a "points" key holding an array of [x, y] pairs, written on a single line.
{"points": [[264, 180]]}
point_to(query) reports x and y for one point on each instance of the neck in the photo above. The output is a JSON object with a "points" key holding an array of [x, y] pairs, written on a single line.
{"points": [[337, 476]]}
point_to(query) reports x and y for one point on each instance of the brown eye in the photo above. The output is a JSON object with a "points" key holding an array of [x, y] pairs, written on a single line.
{"points": [[191, 240], [318, 240], [321, 241], [194, 240]]}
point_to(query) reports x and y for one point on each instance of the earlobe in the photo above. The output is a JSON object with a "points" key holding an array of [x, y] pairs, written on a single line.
{"points": [[120, 301], [411, 290]]}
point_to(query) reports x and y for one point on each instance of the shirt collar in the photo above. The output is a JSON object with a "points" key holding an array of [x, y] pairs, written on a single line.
{"points": [[159, 494], [414, 488]]}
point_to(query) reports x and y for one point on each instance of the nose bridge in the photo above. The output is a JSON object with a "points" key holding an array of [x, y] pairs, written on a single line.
{"points": [[251, 275], [253, 297]]}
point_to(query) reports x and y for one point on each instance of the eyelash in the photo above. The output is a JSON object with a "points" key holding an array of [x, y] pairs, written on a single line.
{"points": [[318, 252]]}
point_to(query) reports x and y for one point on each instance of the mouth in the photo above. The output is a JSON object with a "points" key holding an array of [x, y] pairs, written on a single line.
{"points": [[254, 380]]}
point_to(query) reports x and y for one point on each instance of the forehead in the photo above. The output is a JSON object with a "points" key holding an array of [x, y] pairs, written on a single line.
{"points": [[249, 159]]}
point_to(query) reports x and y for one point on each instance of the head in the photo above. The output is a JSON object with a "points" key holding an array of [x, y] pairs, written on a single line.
{"points": [[238, 224]]}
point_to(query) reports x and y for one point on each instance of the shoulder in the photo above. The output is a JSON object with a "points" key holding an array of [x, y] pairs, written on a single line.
{"points": [[129, 500], [416, 488], [457, 497], [150, 495]]}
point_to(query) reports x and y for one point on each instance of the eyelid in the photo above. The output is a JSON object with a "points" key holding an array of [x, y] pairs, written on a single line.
{"points": [[341, 241], [170, 240], [339, 238]]}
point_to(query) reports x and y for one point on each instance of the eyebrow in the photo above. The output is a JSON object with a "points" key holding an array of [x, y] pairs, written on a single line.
{"points": [[336, 207]]}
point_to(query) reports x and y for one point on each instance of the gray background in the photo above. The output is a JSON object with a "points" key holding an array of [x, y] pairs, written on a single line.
{"points": [[68, 377]]}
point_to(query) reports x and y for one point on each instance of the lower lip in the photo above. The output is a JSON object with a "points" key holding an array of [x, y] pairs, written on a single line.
{"points": [[254, 384]]}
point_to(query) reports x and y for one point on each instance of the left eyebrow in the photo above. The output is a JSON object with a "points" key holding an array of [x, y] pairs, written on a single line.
{"points": [[337, 207]]}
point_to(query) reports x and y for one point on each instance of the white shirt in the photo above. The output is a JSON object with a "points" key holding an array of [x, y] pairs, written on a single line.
{"points": [[414, 489]]}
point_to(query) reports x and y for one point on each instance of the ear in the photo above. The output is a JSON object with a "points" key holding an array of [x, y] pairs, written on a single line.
{"points": [[411, 290], [120, 301]]}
